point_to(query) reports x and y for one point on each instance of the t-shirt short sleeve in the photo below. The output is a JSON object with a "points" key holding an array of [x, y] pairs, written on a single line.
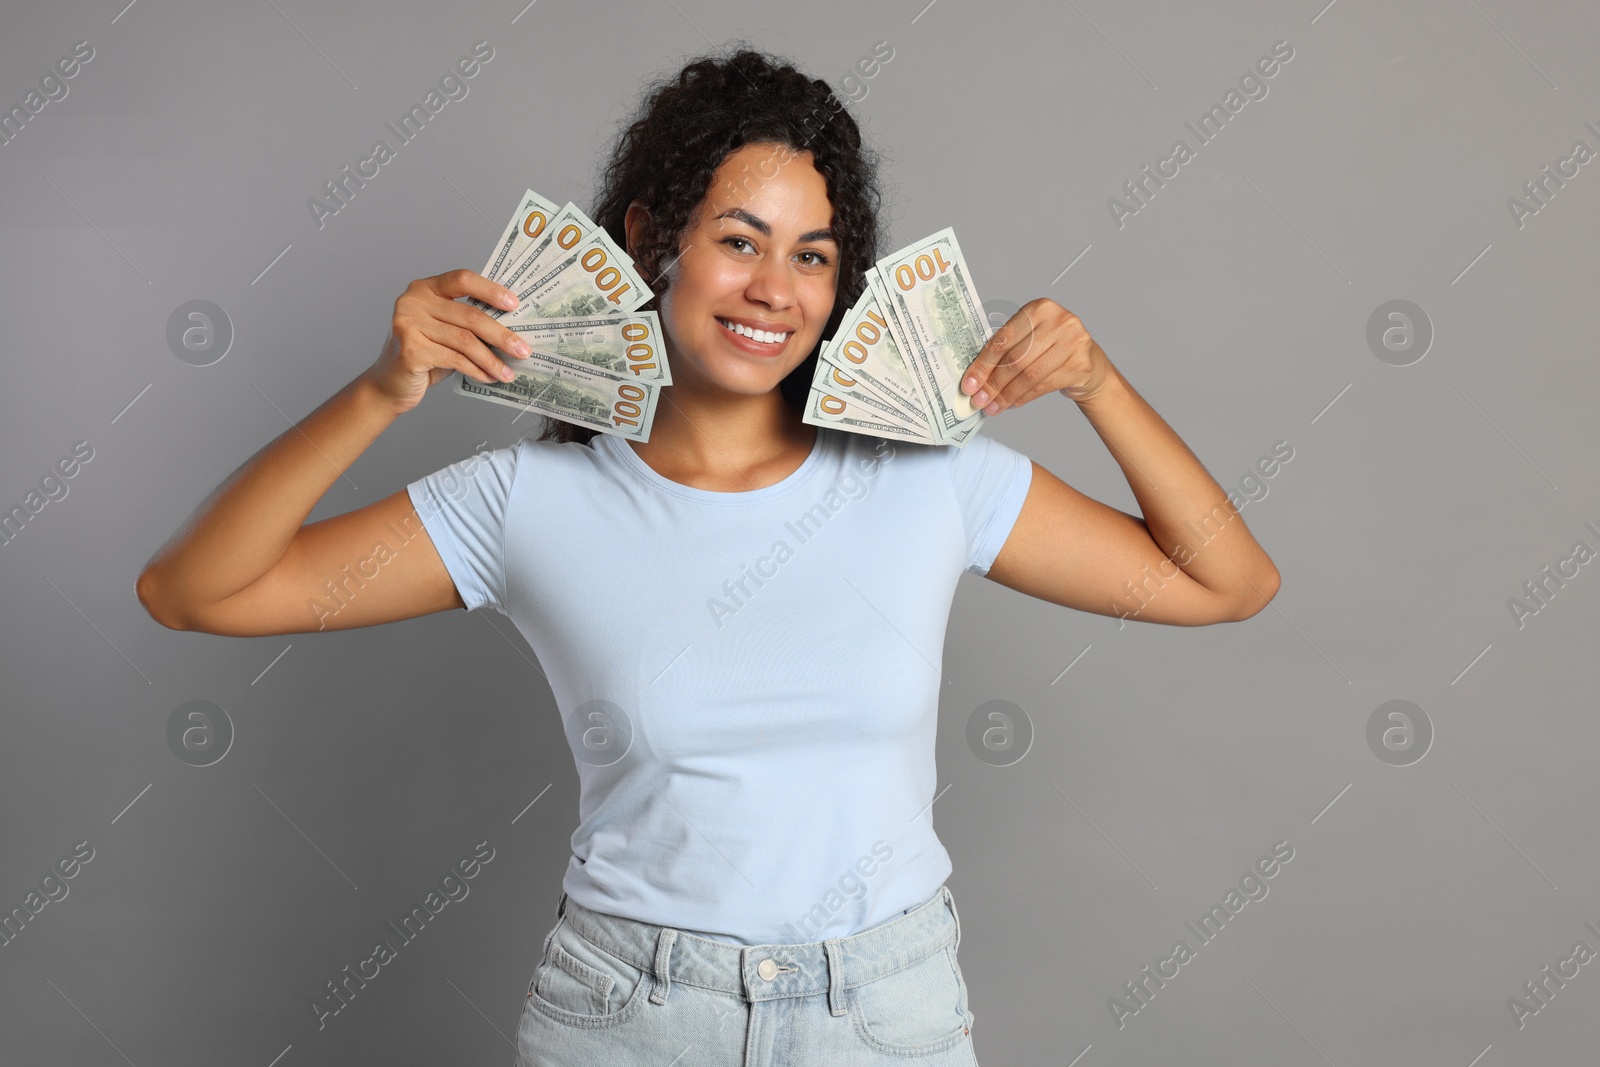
{"points": [[463, 508], [990, 481]]}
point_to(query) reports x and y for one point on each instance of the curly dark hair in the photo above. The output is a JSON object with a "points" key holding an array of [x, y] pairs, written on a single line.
{"points": [[687, 125]]}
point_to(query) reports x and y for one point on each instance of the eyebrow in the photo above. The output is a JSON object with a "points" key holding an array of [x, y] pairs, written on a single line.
{"points": [[760, 226]]}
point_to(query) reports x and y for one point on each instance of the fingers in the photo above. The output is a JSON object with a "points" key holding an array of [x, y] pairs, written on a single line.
{"points": [[1023, 385], [1032, 376], [490, 329], [446, 359], [997, 363], [462, 282], [475, 359]]}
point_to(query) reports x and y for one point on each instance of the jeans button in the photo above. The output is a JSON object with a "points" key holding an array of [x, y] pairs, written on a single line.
{"points": [[767, 969]]}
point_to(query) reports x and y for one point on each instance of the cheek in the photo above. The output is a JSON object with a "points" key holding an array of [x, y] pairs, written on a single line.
{"points": [[720, 278], [709, 273]]}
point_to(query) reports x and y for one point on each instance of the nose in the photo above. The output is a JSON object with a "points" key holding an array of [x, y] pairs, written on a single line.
{"points": [[771, 284]]}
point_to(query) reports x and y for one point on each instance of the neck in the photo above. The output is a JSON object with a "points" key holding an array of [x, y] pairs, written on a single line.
{"points": [[722, 432]]}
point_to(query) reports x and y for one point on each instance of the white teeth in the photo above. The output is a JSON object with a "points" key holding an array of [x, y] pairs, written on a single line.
{"points": [[763, 336]]}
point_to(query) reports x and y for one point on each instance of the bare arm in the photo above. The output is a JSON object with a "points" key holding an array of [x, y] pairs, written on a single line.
{"points": [[246, 562], [1189, 561]]}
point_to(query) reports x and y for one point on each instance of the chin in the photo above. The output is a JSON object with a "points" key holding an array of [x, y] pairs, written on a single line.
{"points": [[751, 381], [738, 375]]}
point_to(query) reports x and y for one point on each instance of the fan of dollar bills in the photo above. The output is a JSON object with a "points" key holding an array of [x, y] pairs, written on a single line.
{"points": [[894, 367], [596, 361], [892, 370]]}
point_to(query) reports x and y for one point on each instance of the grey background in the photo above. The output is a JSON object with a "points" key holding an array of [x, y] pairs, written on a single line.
{"points": [[1166, 760]]}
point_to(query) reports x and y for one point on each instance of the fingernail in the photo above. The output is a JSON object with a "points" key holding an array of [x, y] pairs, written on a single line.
{"points": [[509, 300], [522, 348], [506, 374], [993, 409], [982, 398], [970, 384]]}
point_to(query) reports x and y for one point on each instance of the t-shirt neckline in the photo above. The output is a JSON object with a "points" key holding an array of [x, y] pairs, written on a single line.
{"points": [[622, 451]]}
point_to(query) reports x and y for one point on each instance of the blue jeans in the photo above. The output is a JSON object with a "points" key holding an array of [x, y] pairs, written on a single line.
{"points": [[614, 992]]}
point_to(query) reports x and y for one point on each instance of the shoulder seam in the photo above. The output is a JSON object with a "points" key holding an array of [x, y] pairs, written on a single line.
{"points": [[1021, 474]]}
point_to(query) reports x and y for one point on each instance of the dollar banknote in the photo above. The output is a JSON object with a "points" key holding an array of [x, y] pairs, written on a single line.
{"points": [[928, 293], [527, 225], [838, 401], [595, 278], [574, 393], [902, 349], [567, 229], [627, 346], [864, 349]]}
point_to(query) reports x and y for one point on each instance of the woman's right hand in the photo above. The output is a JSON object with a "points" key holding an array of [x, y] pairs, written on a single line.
{"points": [[433, 334]]}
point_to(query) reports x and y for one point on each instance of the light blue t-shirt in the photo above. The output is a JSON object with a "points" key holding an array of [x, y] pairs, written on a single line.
{"points": [[749, 680]]}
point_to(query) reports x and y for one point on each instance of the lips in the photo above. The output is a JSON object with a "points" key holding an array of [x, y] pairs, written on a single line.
{"points": [[767, 338]]}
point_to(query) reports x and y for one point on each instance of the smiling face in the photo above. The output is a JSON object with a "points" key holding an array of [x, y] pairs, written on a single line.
{"points": [[756, 255]]}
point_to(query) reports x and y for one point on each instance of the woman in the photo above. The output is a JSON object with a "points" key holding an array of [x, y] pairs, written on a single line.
{"points": [[741, 619]]}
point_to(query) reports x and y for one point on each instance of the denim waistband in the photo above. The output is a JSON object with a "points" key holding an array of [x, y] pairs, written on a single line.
{"points": [[770, 972]]}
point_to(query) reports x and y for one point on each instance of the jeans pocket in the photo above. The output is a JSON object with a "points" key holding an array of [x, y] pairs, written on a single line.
{"points": [[582, 984], [571, 984], [921, 1008]]}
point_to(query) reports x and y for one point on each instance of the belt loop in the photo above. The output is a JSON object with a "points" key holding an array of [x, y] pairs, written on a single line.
{"points": [[548, 937], [835, 976], [663, 969], [950, 899]]}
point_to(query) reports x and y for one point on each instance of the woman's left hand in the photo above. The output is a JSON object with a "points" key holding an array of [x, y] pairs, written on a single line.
{"points": [[1042, 348]]}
